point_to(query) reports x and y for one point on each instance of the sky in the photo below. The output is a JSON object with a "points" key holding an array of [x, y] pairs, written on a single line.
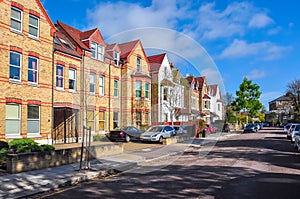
{"points": [[223, 40]]}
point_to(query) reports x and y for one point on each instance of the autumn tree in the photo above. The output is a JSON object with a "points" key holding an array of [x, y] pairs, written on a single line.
{"points": [[247, 99]]}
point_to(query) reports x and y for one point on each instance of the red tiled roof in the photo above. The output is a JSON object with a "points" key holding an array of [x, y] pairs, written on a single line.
{"points": [[74, 34], [156, 61], [206, 96], [212, 89], [127, 47], [62, 47], [190, 79], [87, 34], [200, 81]]}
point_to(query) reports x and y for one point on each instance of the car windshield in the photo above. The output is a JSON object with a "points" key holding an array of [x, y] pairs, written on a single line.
{"points": [[155, 129], [297, 128], [250, 125]]}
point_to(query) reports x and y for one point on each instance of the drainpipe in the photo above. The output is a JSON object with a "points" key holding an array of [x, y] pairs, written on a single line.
{"points": [[109, 96], [52, 94]]}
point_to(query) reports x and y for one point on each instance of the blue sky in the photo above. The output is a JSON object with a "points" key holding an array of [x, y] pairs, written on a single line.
{"points": [[258, 39]]}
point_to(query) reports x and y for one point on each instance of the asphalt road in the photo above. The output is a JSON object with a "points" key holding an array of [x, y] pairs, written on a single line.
{"points": [[253, 165]]}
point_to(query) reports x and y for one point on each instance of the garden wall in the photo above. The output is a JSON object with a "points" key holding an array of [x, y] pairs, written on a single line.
{"points": [[40, 160]]}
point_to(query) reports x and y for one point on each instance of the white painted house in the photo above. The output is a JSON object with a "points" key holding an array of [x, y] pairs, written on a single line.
{"points": [[216, 104], [167, 94]]}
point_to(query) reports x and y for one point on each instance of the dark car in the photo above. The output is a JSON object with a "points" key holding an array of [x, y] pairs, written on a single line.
{"points": [[250, 128], [125, 134]]}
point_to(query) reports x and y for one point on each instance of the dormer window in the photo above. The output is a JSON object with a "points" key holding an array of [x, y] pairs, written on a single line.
{"points": [[116, 58], [138, 64], [67, 45], [97, 51]]}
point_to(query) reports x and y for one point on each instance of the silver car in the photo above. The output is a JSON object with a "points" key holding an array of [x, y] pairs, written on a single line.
{"points": [[157, 133]]}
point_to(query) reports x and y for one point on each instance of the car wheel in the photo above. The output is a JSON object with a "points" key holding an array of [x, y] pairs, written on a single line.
{"points": [[127, 138], [160, 139]]}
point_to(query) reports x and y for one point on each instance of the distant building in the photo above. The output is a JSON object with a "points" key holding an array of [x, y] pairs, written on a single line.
{"points": [[283, 107]]}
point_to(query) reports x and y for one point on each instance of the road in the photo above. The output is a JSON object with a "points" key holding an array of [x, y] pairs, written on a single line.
{"points": [[253, 165]]}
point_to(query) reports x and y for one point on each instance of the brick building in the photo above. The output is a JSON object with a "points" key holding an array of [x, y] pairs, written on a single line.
{"points": [[26, 46]]}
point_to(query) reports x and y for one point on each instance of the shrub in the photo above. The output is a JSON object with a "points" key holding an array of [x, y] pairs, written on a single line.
{"points": [[3, 144], [98, 137], [47, 147], [27, 145], [3, 153]]}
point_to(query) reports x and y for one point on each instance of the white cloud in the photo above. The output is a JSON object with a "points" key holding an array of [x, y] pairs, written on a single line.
{"points": [[260, 20], [257, 74], [263, 50], [116, 17]]}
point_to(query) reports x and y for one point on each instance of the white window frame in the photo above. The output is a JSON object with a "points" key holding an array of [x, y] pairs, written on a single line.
{"points": [[116, 58], [34, 27], [16, 20], [138, 88], [72, 79], [104, 121], [101, 85], [60, 77], [116, 88], [97, 51], [91, 120], [138, 64], [15, 66], [18, 120], [115, 120], [147, 91], [33, 70], [31, 119], [92, 83]]}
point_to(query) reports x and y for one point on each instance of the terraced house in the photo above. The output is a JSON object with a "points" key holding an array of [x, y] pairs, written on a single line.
{"points": [[58, 81], [26, 46]]}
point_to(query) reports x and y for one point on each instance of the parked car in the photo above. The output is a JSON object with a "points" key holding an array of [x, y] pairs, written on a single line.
{"points": [[295, 132], [290, 130], [210, 129], [287, 127], [157, 133], [180, 130], [259, 125], [250, 128], [125, 134], [297, 142]]}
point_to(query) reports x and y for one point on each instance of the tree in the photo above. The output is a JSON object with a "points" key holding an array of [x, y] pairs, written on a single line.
{"points": [[247, 99], [293, 90]]}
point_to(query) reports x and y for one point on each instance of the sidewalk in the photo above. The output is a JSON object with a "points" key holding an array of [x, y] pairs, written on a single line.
{"points": [[38, 181]]}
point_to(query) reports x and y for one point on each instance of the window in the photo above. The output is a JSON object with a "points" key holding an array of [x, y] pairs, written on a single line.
{"points": [[116, 119], [92, 83], [101, 85], [206, 104], [116, 58], [165, 94], [116, 88], [91, 118], [33, 119], [72, 79], [138, 90], [15, 66], [33, 26], [12, 119], [147, 91], [16, 19], [32, 70], [59, 76], [147, 118], [66, 44], [219, 107], [97, 51], [138, 64], [138, 118], [101, 121]]}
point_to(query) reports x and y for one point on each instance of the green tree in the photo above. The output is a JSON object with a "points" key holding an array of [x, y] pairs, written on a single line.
{"points": [[247, 99]]}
